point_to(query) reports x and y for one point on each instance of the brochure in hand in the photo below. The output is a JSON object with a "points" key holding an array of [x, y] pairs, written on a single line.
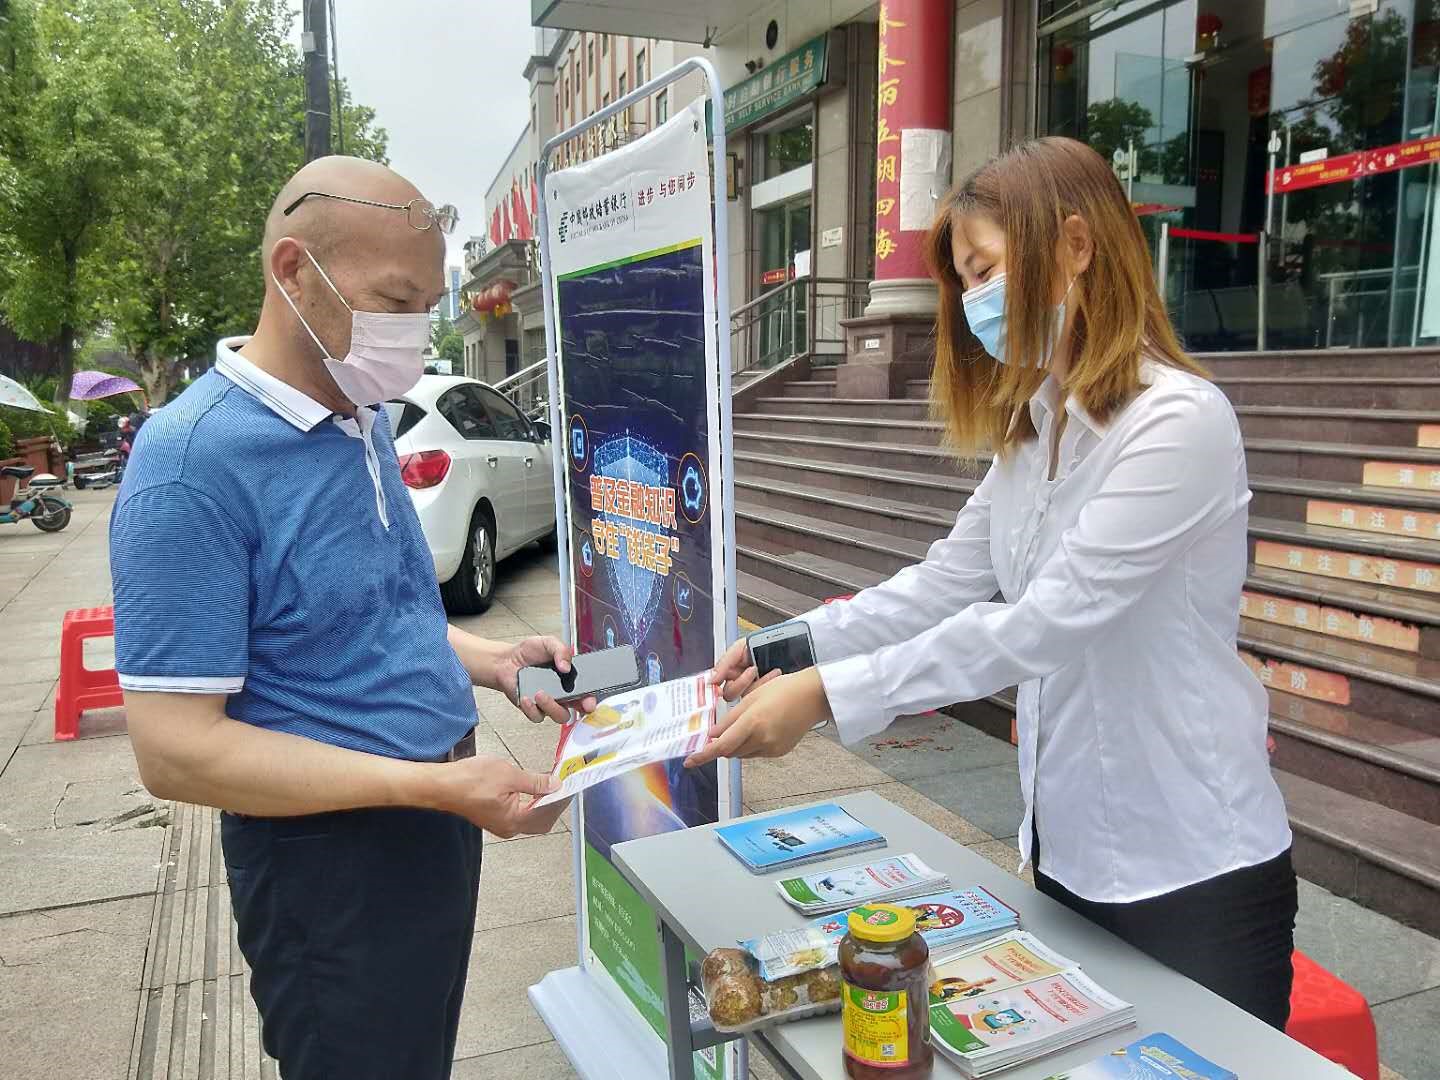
{"points": [[884, 881], [1155, 1057], [778, 841], [1014, 1000], [639, 727]]}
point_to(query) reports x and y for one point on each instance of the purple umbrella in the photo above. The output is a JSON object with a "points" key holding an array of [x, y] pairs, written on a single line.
{"points": [[89, 385]]}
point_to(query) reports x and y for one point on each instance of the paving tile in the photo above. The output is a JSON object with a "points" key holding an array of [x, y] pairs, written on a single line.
{"points": [[543, 1061], [24, 697], [496, 626], [504, 964], [988, 797], [32, 803], [68, 991], [1406, 1029], [907, 798], [920, 746], [533, 745], [527, 880], [13, 727], [78, 759], [97, 724], [1379, 957], [71, 866], [817, 764]]}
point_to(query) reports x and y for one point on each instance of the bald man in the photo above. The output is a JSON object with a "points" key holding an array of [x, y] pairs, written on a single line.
{"points": [[285, 657]]}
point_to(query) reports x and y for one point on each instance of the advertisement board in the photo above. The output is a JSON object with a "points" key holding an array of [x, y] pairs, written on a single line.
{"points": [[638, 379]]}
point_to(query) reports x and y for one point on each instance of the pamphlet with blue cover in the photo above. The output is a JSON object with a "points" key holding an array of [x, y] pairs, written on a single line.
{"points": [[946, 920], [780, 841], [1155, 1057]]}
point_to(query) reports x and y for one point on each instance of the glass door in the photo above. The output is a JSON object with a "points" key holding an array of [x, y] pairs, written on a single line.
{"points": [[784, 232]]}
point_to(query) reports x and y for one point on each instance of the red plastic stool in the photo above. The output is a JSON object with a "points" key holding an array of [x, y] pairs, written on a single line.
{"points": [[1333, 1019], [83, 688]]}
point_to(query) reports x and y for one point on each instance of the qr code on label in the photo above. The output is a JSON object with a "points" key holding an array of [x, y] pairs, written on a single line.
{"points": [[887, 1050]]}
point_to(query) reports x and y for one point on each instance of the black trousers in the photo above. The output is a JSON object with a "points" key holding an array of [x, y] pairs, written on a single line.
{"points": [[1233, 934], [358, 928]]}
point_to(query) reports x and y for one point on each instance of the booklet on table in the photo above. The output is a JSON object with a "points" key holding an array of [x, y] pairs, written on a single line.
{"points": [[778, 841], [639, 727], [883, 881], [1013, 1000], [1155, 1057]]}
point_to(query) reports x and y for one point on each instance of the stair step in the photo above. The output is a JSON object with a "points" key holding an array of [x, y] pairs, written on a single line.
{"points": [[782, 532], [1385, 427], [1395, 606], [855, 429], [929, 489], [1403, 467], [807, 391], [1329, 620], [1375, 759], [806, 574], [1338, 391], [1376, 856], [764, 602], [1377, 558], [855, 408], [1380, 363], [1377, 681], [1428, 436], [899, 456], [1349, 506], [882, 515]]}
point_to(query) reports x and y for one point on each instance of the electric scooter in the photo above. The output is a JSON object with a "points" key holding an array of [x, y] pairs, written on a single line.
{"points": [[35, 499]]}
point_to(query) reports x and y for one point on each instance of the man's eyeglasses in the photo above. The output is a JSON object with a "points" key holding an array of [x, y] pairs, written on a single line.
{"points": [[421, 213]]}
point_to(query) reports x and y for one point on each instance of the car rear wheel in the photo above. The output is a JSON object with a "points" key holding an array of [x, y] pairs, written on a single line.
{"points": [[472, 589]]}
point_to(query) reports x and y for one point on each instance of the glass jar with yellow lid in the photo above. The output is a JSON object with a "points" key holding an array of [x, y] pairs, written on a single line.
{"points": [[884, 966]]}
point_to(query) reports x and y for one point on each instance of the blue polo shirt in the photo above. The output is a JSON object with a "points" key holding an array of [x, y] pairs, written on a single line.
{"points": [[264, 548]]}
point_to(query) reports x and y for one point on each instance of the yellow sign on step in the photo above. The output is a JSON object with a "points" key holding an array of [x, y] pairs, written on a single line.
{"points": [[1297, 679], [1429, 436], [1349, 566], [1396, 521], [1332, 621], [1400, 474]]}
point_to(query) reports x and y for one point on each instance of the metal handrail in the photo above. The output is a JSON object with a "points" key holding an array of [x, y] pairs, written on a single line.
{"points": [[802, 316], [792, 283], [536, 370]]}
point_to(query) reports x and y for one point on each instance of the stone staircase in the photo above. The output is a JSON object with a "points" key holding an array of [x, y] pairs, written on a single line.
{"points": [[1340, 619]]}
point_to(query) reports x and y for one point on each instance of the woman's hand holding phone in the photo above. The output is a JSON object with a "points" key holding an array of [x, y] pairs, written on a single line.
{"points": [[736, 674]]}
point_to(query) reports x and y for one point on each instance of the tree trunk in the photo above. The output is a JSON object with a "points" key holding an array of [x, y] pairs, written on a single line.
{"points": [[66, 374]]}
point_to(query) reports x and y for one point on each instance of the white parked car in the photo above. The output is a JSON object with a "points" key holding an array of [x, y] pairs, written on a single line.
{"points": [[480, 476]]}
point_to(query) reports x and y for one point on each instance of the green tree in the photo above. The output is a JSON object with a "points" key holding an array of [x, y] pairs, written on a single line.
{"points": [[182, 263], [83, 86], [449, 343], [1112, 124]]}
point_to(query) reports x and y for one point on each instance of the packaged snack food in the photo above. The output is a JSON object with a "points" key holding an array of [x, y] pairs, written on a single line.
{"points": [[780, 977]]}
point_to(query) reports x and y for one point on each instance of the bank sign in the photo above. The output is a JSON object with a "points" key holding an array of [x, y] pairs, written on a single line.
{"points": [[776, 86]]}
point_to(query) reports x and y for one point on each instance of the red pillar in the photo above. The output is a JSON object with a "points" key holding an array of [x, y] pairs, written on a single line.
{"points": [[912, 151]]}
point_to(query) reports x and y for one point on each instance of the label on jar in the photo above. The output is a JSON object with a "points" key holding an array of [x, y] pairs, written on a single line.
{"points": [[876, 1024]]}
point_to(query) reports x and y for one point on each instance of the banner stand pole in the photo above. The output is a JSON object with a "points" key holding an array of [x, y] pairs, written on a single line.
{"points": [[604, 1038]]}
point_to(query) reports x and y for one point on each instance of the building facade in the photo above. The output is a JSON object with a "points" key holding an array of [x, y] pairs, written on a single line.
{"points": [[1188, 98]]}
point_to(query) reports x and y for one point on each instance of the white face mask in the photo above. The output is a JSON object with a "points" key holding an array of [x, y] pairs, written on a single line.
{"points": [[387, 351]]}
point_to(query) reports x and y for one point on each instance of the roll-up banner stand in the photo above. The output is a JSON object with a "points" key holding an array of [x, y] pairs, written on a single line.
{"points": [[631, 249]]}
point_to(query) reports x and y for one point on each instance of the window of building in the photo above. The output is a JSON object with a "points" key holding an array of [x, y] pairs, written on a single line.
{"points": [[1190, 92], [590, 56], [621, 84], [568, 99], [604, 44], [534, 117], [640, 68], [787, 145], [662, 106]]}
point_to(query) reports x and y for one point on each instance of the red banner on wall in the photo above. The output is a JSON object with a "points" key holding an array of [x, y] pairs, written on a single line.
{"points": [[1362, 163]]}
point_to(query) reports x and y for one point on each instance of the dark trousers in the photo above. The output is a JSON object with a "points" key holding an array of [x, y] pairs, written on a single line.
{"points": [[357, 927], [1233, 934]]}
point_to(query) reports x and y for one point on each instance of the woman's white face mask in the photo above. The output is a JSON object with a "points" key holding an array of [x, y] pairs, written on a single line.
{"points": [[387, 351]]}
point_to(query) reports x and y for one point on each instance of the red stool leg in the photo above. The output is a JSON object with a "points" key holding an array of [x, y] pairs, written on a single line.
{"points": [[67, 709]]}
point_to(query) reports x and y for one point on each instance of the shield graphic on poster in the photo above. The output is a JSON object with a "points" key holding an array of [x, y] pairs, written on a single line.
{"points": [[637, 589]]}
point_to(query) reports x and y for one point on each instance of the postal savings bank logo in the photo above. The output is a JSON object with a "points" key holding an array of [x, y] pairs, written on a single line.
{"points": [[596, 216]]}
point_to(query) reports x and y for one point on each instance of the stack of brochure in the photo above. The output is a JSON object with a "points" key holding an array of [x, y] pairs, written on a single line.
{"points": [[779, 841], [882, 882], [1014, 1000], [946, 920]]}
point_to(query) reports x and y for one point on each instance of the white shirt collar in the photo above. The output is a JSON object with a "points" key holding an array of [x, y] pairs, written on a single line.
{"points": [[286, 402], [1048, 396]]}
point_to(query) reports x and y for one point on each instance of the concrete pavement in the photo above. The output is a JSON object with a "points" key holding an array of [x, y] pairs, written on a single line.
{"points": [[117, 954]]}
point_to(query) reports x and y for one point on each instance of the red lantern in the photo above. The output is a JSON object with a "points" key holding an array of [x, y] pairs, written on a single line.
{"points": [[1207, 30], [1062, 58]]}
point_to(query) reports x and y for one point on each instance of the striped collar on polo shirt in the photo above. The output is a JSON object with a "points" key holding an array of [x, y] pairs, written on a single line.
{"points": [[301, 410]]}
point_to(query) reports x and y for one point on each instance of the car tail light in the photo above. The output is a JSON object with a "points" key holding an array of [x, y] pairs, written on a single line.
{"points": [[425, 469]]}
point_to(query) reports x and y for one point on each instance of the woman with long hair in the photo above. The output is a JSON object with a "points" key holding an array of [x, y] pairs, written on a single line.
{"points": [[1112, 525]]}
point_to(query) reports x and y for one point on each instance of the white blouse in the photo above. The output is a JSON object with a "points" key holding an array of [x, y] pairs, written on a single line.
{"points": [[1142, 733]]}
